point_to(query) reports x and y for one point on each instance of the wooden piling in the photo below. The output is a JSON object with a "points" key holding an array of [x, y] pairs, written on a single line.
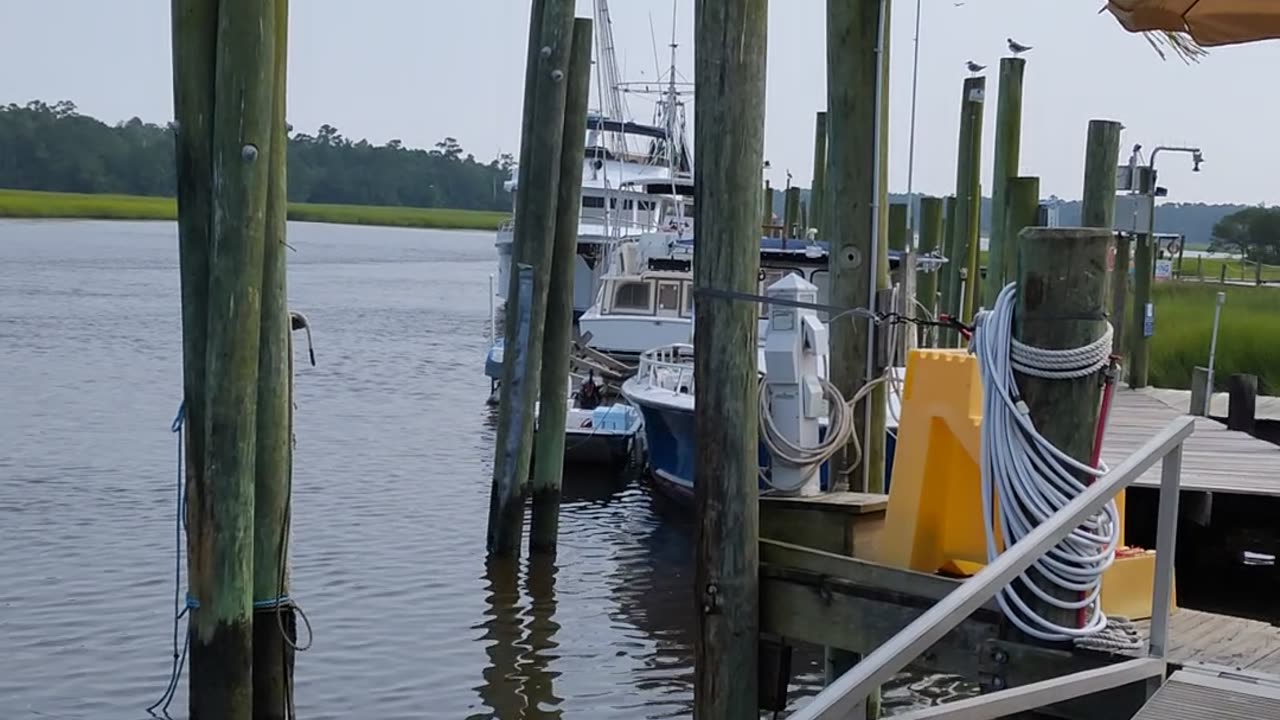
{"points": [[768, 203], [852, 167], [1062, 304], [1098, 209], [274, 624], [1242, 402], [1139, 343], [731, 41], [1021, 207], [1002, 251], [948, 274], [1222, 274], [966, 228], [792, 212], [898, 226], [927, 282], [221, 582], [973, 288], [194, 40], [554, 394], [531, 247], [818, 190]]}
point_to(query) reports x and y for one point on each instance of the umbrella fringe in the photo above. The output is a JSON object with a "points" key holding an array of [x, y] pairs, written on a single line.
{"points": [[1180, 44]]}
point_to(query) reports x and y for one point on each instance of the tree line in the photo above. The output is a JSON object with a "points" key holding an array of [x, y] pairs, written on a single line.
{"points": [[56, 148]]}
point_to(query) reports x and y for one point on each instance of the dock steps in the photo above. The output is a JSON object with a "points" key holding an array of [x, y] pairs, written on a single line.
{"points": [[1198, 695]]}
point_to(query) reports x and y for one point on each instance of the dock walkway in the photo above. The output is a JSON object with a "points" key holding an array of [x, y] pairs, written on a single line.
{"points": [[1214, 458], [1200, 696], [1268, 407]]}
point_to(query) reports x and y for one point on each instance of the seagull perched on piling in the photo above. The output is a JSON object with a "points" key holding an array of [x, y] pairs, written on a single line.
{"points": [[975, 67], [1016, 47]]}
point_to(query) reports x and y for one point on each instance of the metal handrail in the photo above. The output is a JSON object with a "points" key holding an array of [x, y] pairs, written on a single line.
{"points": [[657, 366], [841, 697]]}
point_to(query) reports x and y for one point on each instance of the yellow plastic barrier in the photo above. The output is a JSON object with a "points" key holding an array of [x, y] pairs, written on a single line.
{"points": [[934, 519]]}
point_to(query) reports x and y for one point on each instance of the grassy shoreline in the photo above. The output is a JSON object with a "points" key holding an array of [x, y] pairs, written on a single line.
{"points": [[81, 206]]}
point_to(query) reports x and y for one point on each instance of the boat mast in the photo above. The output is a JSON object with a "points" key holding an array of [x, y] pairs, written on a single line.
{"points": [[615, 107]]}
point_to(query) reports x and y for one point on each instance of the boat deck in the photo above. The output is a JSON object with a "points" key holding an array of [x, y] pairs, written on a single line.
{"points": [[1214, 458]]}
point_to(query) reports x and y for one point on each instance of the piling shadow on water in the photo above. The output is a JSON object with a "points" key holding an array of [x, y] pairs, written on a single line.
{"points": [[520, 641]]}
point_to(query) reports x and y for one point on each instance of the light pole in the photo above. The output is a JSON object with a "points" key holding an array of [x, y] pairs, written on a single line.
{"points": [[911, 146], [1144, 269]]}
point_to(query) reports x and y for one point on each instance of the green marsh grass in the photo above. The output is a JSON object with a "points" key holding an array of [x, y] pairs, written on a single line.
{"points": [[34, 204]]}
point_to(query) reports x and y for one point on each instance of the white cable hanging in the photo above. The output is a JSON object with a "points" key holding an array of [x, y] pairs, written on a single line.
{"points": [[841, 430], [1030, 479]]}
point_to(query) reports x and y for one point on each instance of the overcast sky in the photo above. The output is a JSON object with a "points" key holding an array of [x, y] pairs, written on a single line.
{"points": [[420, 70]]}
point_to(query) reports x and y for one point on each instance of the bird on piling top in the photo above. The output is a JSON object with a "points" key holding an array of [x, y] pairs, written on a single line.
{"points": [[1016, 47], [974, 67]]}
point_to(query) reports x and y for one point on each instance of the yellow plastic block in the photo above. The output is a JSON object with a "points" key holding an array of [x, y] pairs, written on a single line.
{"points": [[934, 518]]}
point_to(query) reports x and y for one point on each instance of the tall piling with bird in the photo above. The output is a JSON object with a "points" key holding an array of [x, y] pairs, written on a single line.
{"points": [[551, 28], [730, 42], [965, 229], [1002, 250], [554, 393]]}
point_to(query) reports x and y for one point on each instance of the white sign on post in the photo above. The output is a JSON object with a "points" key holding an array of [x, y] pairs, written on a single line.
{"points": [[1164, 270]]}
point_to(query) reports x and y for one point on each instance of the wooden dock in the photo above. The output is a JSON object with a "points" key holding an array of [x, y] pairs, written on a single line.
{"points": [[1214, 459], [1268, 408], [1222, 641], [1203, 696]]}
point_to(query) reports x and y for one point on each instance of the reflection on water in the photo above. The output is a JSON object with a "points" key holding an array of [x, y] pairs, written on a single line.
{"points": [[393, 463]]}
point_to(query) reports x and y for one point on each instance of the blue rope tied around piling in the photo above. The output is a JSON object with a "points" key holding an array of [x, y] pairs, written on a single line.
{"points": [[179, 656]]}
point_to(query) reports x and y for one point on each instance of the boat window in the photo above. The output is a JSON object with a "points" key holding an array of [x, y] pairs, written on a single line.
{"points": [[669, 298], [592, 201], [687, 289], [633, 297]]}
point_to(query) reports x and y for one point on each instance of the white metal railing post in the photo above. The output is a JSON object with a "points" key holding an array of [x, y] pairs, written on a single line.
{"points": [[841, 697], [1166, 547]]}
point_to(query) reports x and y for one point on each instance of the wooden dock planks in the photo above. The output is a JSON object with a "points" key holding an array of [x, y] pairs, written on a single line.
{"points": [[1214, 458], [1201, 638], [1192, 696]]}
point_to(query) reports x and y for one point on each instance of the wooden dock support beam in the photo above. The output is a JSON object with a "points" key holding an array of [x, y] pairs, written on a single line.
{"points": [[1062, 304], [1242, 402], [554, 395], [532, 247], [731, 42], [1002, 253], [274, 623], [1098, 210]]}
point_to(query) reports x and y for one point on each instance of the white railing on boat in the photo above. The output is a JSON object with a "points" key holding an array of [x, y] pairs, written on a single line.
{"points": [[668, 367]]}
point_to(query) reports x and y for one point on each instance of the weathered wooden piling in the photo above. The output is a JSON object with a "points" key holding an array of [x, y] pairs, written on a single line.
{"points": [[1002, 251], [731, 41], [966, 228], [1139, 347], [768, 204], [927, 282], [1242, 402], [818, 190], [898, 226], [554, 394], [1062, 300], [1021, 207], [973, 288], [274, 624], [1098, 209], [539, 179], [948, 274], [852, 169], [230, 61], [792, 212]]}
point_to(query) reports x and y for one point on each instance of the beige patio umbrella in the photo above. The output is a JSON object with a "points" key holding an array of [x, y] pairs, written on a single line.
{"points": [[1206, 22]]}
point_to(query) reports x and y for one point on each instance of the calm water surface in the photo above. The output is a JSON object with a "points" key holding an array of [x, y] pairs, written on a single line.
{"points": [[393, 460]]}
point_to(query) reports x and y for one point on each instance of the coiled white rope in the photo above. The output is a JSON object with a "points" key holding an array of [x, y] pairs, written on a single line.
{"points": [[1030, 479]]}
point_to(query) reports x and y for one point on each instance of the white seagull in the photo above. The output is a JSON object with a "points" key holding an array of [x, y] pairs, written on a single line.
{"points": [[1016, 47], [975, 67]]}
